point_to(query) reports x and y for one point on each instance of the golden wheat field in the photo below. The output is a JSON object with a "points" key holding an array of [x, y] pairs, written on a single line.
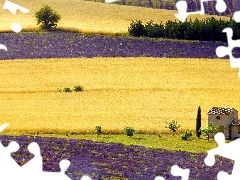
{"points": [[85, 16], [138, 92]]}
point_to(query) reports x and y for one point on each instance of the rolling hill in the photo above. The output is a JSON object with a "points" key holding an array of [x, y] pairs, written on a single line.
{"points": [[86, 16]]}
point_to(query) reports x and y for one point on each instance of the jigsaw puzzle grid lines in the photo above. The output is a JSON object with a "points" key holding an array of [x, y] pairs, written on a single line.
{"points": [[16, 27]]}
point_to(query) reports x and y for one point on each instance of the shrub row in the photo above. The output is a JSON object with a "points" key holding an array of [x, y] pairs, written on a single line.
{"points": [[75, 89], [173, 127], [209, 29], [129, 131]]}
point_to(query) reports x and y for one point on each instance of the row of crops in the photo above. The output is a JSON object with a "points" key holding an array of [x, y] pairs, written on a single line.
{"points": [[114, 161], [193, 5], [74, 45]]}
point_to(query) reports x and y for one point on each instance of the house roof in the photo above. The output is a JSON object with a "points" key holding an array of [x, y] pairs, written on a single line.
{"points": [[220, 111]]}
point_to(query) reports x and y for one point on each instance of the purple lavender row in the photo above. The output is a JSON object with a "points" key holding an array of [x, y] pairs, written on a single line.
{"points": [[73, 45], [113, 160], [193, 5]]}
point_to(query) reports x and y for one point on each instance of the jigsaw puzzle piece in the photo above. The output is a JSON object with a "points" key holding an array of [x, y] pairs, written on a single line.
{"points": [[223, 176], [64, 164], [222, 51], [2, 46], [209, 160], [177, 171], [34, 165], [110, 1], [4, 125], [234, 176], [223, 150], [159, 178], [86, 178], [221, 6], [34, 168], [236, 16], [7, 163], [12, 7], [181, 7]]}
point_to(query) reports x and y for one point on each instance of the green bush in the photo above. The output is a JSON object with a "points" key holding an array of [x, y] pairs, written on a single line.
{"points": [[98, 130], [137, 29], [195, 30], [75, 88], [171, 29], [129, 131], [154, 30], [67, 89], [47, 18], [235, 27], [187, 135], [177, 29], [172, 126], [78, 88]]}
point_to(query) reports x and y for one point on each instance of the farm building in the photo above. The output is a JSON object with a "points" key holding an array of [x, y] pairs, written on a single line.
{"points": [[227, 120]]}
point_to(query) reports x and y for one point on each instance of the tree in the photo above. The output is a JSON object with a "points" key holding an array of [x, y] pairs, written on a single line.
{"points": [[137, 29], [198, 122], [47, 18], [211, 129]]}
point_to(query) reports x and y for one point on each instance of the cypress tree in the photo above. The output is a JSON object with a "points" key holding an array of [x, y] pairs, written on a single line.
{"points": [[198, 122]]}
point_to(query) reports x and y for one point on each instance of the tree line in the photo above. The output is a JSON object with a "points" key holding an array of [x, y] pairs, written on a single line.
{"points": [[209, 29]]}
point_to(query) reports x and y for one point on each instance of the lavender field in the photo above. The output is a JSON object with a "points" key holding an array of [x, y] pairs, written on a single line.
{"points": [[114, 161], [72, 45]]}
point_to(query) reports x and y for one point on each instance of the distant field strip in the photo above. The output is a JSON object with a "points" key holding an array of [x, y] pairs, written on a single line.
{"points": [[86, 16], [193, 5], [75, 45], [138, 92]]}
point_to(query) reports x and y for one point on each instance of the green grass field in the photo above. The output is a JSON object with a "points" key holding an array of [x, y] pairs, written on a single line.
{"points": [[166, 141]]}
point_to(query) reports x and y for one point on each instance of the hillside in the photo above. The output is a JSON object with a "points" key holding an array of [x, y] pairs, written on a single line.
{"points": [[88, 16], [193, 5]]}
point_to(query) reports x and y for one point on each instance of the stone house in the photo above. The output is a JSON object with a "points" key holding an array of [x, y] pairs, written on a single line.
{"points": [[227, 120]]}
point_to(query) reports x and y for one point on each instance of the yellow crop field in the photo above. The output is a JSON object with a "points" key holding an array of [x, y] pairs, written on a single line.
{"points": [[138, 92], [89, 17]]}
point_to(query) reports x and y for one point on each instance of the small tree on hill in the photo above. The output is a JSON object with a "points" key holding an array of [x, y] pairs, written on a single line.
{"points": [[47, 18], [198, 122]]}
